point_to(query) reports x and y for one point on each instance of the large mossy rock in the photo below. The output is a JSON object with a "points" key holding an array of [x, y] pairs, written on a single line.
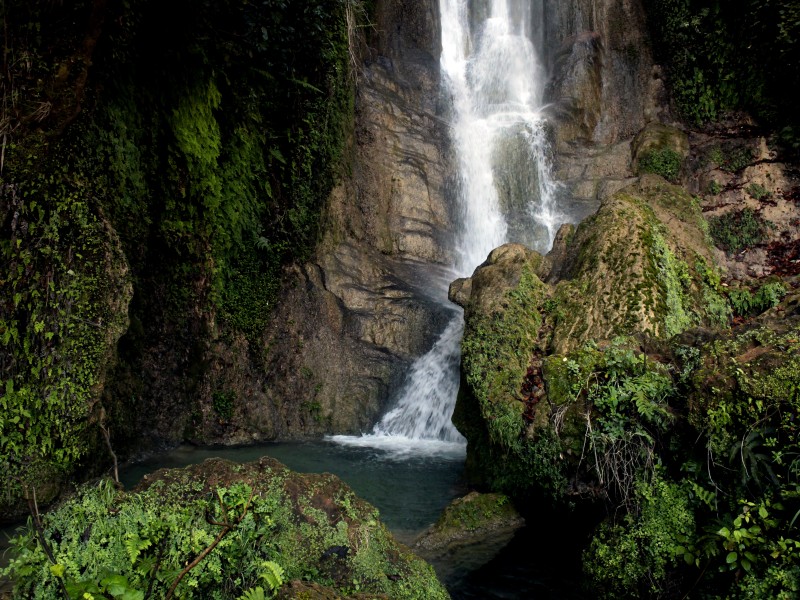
{"points": [[308, 531], [640, 266], [502, 307]]}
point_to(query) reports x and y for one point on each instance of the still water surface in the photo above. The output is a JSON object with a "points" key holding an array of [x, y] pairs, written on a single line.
{"points": [[410, 490]]}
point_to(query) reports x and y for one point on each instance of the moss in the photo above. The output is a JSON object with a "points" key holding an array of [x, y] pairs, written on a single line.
{"points": [[663, 161], [496, 350], [475, 510]]}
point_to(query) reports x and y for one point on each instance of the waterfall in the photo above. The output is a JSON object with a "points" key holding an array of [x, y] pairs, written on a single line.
{"points": [[490, 68]]}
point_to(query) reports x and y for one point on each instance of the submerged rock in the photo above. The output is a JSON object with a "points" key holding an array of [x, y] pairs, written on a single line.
{"points": [[469, 520]]}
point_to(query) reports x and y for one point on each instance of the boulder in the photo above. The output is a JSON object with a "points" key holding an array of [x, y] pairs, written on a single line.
{"points": [[259, 522], [469, 520], [640, 266]]}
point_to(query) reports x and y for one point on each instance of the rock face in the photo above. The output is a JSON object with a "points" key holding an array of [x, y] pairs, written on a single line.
{"points": [[368, 288], [603, 89], [349, 321], [603, 78]]}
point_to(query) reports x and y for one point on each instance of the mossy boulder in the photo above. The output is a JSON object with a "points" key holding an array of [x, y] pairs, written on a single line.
{"points": [[309, 532], [502, 306], [641, 264], [469, 519]]}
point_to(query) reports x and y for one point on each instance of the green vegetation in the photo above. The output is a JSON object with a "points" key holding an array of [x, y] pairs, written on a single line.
{"points": [[256, 526], [714, 188], [223, 403], [757, 191], [739, 230], [703, 483], [59, 320], [727, 55], [662, 161], [185, 153], [733, 158], [746, 303], [631, 558]]}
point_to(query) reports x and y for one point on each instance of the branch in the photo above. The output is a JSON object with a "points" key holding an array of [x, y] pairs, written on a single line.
{"points": [[107, 436], [37, 522], [226, 527]]}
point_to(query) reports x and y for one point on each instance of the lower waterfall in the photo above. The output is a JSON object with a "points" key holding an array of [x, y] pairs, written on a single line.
{"points": [[495, 82]]}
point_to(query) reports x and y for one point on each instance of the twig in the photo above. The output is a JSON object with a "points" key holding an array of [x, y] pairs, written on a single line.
{"points": [[33, 506], [107, 436]]}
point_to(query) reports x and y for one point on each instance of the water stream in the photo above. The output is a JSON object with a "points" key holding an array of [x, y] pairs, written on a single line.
{"points": [[495, 81]]}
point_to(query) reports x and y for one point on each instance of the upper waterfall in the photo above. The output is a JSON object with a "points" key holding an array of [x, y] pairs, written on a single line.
{"points": [[495, 82]]}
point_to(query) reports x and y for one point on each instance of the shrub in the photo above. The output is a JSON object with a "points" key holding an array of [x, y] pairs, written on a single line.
{"points": [[746, 303], [757, 191], [663, 161], [737, 231]]}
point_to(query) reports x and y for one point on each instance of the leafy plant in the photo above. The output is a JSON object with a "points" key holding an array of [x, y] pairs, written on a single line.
{"points": [[223, 403], [662, 161], [758, 191], [739, 230], [746, 303]]}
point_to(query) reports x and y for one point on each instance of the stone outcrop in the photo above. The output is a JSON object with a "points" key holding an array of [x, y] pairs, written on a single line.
{"points": [[604, 88]]}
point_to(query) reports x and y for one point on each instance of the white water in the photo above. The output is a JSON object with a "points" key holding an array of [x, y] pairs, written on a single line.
{"points": [[505, 193]]}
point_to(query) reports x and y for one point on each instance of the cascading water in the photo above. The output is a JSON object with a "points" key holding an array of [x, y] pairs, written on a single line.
{"points": [[505, 192]]}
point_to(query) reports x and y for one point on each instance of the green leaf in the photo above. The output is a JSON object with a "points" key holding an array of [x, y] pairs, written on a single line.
{"points": [[57, 570], [746, 565], [731, 558]]}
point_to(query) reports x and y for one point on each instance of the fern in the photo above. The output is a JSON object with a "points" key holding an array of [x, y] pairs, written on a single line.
{"points": [[256, 593], [134, 546], [272, 575]]}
